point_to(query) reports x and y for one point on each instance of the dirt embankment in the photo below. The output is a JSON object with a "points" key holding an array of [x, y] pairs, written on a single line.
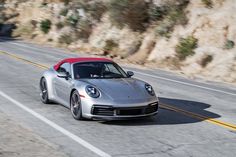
{"points": [[196, 38]]}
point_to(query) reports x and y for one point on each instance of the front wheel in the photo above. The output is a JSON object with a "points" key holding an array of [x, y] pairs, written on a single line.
{"points": [[75, 106], [44, 91]]}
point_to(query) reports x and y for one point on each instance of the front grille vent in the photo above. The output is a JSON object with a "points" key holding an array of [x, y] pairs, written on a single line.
{"points": [[151, 108], [102, 110], [124, 111]]}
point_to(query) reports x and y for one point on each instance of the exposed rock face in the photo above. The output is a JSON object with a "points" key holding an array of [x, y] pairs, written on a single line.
{"points": [[145, 49], [212, 26], [127, 40]]}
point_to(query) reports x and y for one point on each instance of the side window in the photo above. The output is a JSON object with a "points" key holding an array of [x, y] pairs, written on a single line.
{"points": [[64, 68], [111, 68]]}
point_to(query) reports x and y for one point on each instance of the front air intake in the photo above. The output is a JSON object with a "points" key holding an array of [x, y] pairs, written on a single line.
{"points": [[102, 110]]}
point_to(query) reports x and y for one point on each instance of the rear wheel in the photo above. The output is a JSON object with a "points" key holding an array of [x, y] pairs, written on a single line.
{"points": [[75, 106], [44, 91]]}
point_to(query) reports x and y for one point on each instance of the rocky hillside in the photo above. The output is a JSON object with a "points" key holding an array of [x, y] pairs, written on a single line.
{"points": [[195, 37]]}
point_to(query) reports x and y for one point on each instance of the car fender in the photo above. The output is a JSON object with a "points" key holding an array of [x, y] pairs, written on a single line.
{"points": [[49, 75]]}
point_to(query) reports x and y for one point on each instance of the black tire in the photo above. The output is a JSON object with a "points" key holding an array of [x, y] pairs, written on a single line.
{"points": [[75, 106], [44, 91]]}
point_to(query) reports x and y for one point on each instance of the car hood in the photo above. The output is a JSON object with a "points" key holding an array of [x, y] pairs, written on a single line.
{"points": [[120, 89]]}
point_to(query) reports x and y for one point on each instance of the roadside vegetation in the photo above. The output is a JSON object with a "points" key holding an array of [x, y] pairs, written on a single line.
{"points": [[186, 47], [137, 15], [229, 44], [45, 26]]}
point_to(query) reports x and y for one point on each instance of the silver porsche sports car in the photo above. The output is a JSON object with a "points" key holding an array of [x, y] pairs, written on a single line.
{"points": [[97, 88]]}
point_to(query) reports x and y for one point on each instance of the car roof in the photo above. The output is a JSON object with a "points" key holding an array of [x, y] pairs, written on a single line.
{"points": [[80, 59]]}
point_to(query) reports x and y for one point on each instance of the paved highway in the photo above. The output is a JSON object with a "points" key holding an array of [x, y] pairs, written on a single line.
{"points": [[195, 119]]}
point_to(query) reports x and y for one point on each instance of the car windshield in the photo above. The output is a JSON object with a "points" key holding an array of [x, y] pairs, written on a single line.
{"points": [[97, 70]]}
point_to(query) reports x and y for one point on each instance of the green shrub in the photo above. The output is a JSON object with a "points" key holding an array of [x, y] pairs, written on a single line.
{"points": [[45, 26], [207, 59], [73, 20], [133, 13], [186, 47], [208, 3], [229, 44], [156, 12], [65, 39], [110, 45]]}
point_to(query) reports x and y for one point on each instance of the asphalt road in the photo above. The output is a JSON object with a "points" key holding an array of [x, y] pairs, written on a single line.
{"points": [[196, 118]]}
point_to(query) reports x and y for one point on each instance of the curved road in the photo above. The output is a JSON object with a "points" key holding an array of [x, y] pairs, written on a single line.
{"points": [[195, 119]]}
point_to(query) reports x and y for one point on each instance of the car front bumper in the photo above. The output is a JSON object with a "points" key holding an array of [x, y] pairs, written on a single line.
{"points": [[102, 112], [96, 117]]}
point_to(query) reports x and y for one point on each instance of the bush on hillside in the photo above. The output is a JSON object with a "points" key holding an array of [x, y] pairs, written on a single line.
{"points": [[229, 44], [73, 20], [157, 12], [45, 26], [186, 47]]}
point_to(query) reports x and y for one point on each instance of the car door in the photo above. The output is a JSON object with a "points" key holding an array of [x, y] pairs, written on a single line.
{"points": [[62, 86]]}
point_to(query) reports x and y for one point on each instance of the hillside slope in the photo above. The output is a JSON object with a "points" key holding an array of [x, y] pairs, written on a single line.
{"points": [[196, 38]]}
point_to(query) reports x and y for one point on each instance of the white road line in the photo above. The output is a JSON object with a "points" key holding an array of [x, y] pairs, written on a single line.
{"points": [[57, 127], [185, 83]]}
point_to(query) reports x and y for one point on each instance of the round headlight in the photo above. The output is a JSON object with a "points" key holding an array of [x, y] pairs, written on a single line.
{"points": [[92, 91], [149, 89]]}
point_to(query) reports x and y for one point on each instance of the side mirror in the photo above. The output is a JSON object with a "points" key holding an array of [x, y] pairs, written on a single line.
{"points": [[63, 75], [130, 73]]}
